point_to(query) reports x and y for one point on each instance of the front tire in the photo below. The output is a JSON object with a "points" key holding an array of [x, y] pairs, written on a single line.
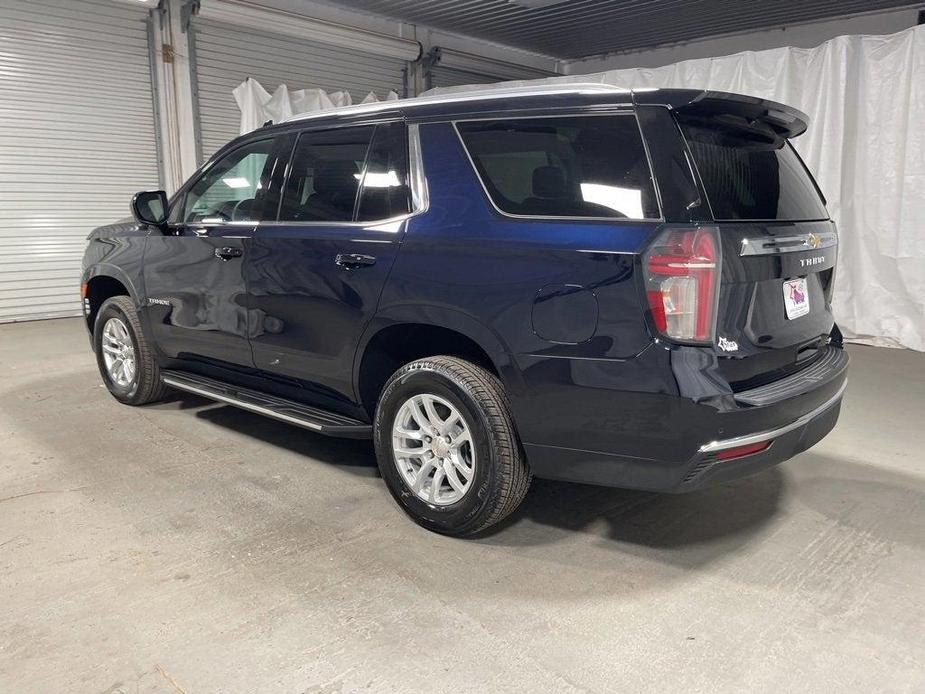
{"points": [[125, 361], [447, 447]]}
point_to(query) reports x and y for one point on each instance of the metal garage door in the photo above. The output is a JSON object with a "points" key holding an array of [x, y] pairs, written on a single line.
{"points": [[448, 77], [226, 55], [76, 141]]}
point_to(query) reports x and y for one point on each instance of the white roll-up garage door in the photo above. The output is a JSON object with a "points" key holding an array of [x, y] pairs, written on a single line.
{"points": [[76, 141], [226, 55], [448, 77], [449, 67]]}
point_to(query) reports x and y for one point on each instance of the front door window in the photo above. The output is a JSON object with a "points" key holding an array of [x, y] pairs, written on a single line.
{"points": [[230, 190]]}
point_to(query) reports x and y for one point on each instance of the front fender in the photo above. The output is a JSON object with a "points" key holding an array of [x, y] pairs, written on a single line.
{"points": [[110, 270], [117, 251], [118, 256]]}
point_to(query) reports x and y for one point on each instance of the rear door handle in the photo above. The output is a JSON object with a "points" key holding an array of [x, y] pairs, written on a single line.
{"points": [[228, 252], [354, 260]]}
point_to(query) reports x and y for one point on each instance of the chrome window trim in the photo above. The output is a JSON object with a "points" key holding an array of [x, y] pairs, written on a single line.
{"points": [[420, 200], [360, 225], [747, 439], [420, 197], [796, 243], [213, 224], [620, 111]]}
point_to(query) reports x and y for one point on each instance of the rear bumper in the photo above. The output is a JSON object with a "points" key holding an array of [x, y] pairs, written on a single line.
{"points": [[789, 426], [784, 443]]}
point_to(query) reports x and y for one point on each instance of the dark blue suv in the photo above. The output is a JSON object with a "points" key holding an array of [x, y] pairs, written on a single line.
{"points": [[578, 283]]}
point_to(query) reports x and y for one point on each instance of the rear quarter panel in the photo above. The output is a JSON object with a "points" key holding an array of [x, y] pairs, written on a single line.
{"points": [[559, 296]]}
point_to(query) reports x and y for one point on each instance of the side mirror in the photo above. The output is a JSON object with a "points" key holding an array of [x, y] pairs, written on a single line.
{"points": [[150, 207]]}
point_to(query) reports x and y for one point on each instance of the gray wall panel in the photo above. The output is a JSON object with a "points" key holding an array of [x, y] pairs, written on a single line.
{"points": [[76, 141]]}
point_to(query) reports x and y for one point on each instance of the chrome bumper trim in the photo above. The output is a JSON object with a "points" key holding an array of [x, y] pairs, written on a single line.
{"points": [[745, 440]]}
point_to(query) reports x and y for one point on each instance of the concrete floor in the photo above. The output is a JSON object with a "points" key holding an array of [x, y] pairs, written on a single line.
{"points": [[192, 547]]}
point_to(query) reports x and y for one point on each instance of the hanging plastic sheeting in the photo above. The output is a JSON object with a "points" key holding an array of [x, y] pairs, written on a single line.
{"points": [[258, 106], [865, 96]]}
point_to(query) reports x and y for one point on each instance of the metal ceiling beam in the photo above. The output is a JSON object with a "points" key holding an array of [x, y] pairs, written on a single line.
{"points": [[579, 28]]}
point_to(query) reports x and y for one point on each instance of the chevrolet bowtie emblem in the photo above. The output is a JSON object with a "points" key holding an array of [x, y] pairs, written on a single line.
{"points": [[814, 240]]}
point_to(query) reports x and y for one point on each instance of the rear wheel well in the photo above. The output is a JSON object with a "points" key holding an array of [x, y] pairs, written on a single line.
{"points": [[397, 345], [99, 289]]}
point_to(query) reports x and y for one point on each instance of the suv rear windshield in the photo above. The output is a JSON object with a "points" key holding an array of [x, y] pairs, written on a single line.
{"points": [[749, 173], [570, 166]]}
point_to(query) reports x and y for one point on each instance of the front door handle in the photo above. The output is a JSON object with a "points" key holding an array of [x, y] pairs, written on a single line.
{"points": [[352, 261], [227, 253]]}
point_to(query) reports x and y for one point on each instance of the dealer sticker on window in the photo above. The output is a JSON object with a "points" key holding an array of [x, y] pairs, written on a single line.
{"points": [[796, 298]]}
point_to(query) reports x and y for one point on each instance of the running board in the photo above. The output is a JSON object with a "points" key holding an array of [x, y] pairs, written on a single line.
{"points": [[316, 419]]}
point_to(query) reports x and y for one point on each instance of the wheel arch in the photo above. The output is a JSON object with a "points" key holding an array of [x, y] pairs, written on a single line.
{"points": [[100, 282], [408, 333]]}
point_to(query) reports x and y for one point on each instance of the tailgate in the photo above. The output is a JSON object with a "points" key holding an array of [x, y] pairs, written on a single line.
{"points": [[775, 310], [778, 246]]}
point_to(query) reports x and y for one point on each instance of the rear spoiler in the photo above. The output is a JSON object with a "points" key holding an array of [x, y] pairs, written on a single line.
{"points": [[785, 121]]}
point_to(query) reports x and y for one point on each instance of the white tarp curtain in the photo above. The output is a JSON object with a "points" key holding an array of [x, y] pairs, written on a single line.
{"points": [[865, 96], [258, 106]]}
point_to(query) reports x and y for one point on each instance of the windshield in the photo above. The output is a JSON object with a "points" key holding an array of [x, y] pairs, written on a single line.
{"points": [[749, 174]]}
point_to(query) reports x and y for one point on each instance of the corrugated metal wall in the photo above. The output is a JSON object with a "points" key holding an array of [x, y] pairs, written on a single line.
{"points": [[76, 141], [226, 55], [448, 77]]}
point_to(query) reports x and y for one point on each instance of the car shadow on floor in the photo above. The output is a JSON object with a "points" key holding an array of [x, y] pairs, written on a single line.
{"points": [[354, 455], [551, 508], [734, 510]]}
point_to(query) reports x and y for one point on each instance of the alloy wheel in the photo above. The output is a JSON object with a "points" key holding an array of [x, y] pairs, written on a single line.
{"points": [[433, 449], [118, 352]]}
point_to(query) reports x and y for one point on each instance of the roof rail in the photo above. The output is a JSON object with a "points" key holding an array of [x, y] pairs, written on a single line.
{"points": [[461, 97]]}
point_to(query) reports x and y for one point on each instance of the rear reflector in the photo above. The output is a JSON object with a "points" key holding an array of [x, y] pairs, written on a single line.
{"points": [[742, 451], [682, 273]]}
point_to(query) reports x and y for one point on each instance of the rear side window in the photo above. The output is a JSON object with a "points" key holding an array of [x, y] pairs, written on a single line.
{"points": [[570, 166], [749, 173], [385, 190], [324, 176]]}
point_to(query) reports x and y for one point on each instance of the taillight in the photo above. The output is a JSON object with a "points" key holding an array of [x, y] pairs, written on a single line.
{"points": [[682, 269]]}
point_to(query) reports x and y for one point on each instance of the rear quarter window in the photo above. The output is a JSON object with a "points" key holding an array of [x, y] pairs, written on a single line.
{"points": [[570, 166]]}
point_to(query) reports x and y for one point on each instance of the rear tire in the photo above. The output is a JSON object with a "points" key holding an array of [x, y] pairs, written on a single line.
{"points": [[467, 471], [125, 361]]}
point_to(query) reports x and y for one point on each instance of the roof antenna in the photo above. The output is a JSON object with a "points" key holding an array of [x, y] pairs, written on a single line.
{"points": [[266, 123]]}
